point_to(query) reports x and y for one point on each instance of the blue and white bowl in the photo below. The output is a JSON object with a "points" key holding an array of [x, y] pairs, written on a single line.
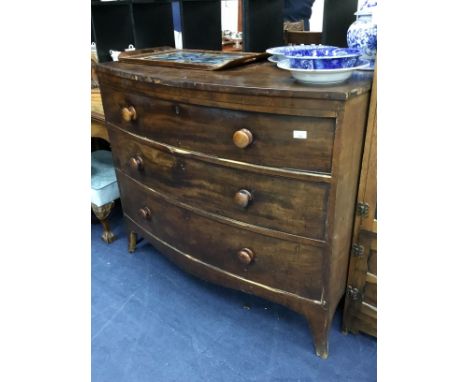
{"points": [[322, 57], [322, 76], [279, 52]]}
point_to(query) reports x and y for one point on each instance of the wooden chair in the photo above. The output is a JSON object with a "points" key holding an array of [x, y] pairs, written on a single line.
{"points": [[293, 25], [104, 189], [292, 37]]}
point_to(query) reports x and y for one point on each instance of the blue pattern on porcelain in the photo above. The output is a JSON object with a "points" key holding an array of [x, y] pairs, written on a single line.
{"points": [[319, 76], [279, 52], [319, 51], [329, 63], [323, 57], [362, 34]]}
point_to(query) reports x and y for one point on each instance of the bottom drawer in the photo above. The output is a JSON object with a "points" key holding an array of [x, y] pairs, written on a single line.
{"points": [[281, 264]]}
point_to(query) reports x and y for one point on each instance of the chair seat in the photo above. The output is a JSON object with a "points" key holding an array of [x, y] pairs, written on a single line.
{"points": [[104, 188]]}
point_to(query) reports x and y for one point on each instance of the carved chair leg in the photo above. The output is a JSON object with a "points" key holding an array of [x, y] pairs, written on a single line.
{"points": [[132, 241], [102, 213], [320, 329]]}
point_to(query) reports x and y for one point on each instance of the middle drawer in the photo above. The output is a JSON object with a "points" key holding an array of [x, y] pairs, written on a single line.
{"points": [[289, 205]]}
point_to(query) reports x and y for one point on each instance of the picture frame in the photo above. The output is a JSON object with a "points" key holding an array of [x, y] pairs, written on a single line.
{"points": [[190, 58]]}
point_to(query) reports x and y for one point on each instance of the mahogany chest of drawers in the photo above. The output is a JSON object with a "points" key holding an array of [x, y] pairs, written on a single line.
{"points": [[241, 177]]}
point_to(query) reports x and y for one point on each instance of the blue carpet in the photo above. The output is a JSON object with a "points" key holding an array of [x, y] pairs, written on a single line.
{"points": [[153, 322]]}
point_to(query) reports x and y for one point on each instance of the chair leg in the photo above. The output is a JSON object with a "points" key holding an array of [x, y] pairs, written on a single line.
{"points": [[102, 213], [132, 241]]}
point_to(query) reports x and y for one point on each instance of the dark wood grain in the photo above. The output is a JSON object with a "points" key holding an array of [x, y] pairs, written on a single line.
{"points": [[282, 264], [302, 37], [236, 100], [254, 79], [347, 165], [288, 173], [370, 294], [360, 314], [212, 130], [273, 217], [314, 310], [213, 188], [372, 261]]}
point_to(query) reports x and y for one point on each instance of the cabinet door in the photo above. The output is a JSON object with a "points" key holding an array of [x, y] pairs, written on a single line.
{"points": [[360, 313]]}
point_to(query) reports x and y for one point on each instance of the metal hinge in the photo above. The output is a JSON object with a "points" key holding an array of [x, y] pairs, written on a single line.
{"points": [[354, 293], [357, 250], [362, 209]]}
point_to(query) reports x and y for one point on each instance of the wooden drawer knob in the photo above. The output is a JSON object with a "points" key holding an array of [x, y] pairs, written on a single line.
{"points": [[129, 113], [145, 213], [136, 163], [245, 256], [242, 138], [242, 198]]}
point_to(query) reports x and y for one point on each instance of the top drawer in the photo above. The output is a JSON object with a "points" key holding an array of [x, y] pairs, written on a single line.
{"points": [[282, 141]]}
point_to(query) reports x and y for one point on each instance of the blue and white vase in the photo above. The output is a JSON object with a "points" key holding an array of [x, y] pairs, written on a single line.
{"points": [[362, 34]]}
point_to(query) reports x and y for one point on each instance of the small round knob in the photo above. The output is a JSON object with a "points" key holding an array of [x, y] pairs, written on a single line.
{"points": [[129, 113], [245, 256], [145, 213], [242, 198], [242, 138], [136, 163]]}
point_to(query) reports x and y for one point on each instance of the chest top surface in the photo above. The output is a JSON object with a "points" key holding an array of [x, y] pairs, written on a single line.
{"points": [[252, 79]]}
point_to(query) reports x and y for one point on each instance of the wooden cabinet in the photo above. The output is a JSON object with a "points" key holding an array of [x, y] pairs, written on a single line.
{"points": [[242, 177], [142, 23], [149, 23], [360, 313]]}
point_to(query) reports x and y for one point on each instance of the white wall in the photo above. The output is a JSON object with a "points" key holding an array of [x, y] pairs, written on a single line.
{"points": [[316, 21], [229, 15]]}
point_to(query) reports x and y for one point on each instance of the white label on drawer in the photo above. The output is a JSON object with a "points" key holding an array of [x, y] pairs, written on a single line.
{"points": [[300, 134]]}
